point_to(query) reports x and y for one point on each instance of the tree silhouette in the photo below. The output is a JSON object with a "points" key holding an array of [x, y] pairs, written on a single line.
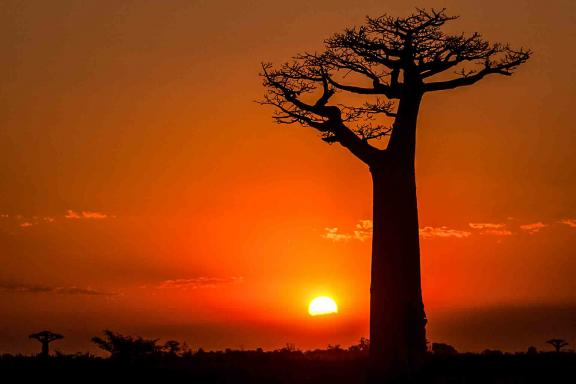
{"points": [[443, 349], [172, 347], [532, 350], [125, 347], [392, 63], [45, 338], [558, 344]]}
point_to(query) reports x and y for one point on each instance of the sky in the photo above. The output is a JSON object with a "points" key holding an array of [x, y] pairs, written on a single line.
{"points": [[143, 190]]}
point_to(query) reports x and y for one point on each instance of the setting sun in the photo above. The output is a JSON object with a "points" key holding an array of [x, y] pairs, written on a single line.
{"points": [[322, 305]]}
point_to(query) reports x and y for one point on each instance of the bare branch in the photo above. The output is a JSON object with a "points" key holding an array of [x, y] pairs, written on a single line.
{"points": [[390, 57], [499, 60], [293, 81]]}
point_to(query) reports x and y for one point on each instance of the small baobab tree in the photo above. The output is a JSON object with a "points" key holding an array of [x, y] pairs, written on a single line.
{"points": [[558, 344], [45, 338], [390, 63]]}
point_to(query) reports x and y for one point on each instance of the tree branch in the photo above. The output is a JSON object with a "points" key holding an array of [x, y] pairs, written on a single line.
{"points": [[503, 66], [287, 84], [390, 57]]}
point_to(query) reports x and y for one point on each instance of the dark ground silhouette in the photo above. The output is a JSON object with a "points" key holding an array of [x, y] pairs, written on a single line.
{"points": [[287, 365]]}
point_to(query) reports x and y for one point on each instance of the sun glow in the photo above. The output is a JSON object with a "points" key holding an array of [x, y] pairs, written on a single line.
{"points": [[322, 305]]}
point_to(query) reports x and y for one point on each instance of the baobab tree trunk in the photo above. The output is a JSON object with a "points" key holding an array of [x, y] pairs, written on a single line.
{"points": [[45, 349], [397, 318]]}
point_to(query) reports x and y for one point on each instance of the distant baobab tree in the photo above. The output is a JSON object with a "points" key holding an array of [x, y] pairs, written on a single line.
{"points": [[45, 338], [558, 344], [392, 63]]}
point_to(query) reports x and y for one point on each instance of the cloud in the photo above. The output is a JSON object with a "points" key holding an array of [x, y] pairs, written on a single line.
{"points": [[443, 232], [28, 221], [73, 215], [533, 228], [332, 234], [569, 222], [72, 290], [70, 214], [198, 282], [81, 291], [491, 229], [362, 232], [486, 225], [93, 215], [497, 232], [25, 221]]}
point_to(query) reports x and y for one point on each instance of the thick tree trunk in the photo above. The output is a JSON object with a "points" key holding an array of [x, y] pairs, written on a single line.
{"points": [[397, 318], [45, 348]]}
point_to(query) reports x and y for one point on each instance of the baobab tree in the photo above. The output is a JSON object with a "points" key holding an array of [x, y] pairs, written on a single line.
{"points": [[391, 63], [45, 338], [558, 344]]}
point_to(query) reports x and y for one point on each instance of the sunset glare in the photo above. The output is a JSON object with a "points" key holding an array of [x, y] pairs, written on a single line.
{"points": [[322, 305]]}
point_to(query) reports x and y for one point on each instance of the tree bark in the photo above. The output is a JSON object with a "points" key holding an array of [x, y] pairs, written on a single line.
{"points": [[45, 348], [397, 318]]}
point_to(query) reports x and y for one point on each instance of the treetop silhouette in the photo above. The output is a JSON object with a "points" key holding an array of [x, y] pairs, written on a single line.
{"points": [[125, 347], [390, 62], [558, 344], [45, 338], [391, 57]]}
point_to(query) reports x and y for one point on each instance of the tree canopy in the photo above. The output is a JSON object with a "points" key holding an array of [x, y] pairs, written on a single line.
{"points": [[387, 60]]}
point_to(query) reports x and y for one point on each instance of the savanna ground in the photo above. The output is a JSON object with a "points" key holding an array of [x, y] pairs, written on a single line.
{"points": [[283, 366]]}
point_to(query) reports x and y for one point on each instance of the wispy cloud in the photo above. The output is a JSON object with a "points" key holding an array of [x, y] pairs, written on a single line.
{"points": [[496, 232], [486, 225], [361, 232], [31, 288], [333, 234], [533, 227], [569, 222], [27, 221], [198, 282], [73, 215], [492, 229], [443, 232]]}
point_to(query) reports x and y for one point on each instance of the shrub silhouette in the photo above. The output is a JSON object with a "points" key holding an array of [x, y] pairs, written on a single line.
{"points": [[443, 349], [126, 347], [362, 346], [172, 347]]}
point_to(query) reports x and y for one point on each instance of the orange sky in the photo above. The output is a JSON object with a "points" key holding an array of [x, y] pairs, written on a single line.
{"points": [[142, 189]]}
